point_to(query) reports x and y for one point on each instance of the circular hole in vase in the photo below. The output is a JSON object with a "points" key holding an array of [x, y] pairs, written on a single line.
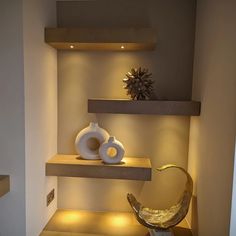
{"points": [[111, 152], [93, 144]]}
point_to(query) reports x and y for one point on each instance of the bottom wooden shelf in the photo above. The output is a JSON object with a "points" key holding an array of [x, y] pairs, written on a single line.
{"points": [[86, 223], [4, 184]]}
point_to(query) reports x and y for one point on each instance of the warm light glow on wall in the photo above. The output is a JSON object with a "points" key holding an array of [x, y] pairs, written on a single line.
{"points": [[77, 217], [95, 223], [164, 139], [120, 220], [72, 46], [70, 217]]}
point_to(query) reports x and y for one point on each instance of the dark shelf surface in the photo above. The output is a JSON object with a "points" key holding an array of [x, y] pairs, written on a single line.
{"points": [[149, 107]]}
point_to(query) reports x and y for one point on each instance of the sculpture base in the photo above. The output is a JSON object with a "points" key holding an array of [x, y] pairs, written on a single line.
{"points": [[160, 232]]}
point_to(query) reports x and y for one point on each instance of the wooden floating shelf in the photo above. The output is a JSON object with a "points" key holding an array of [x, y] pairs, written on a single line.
{"points": [[95, 223], [4, 184], [89, 223], [121, 39], [154, 107], [73, 166]]}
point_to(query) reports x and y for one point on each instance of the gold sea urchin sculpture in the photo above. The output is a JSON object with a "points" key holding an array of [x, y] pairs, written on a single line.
{"points": [[139, 84]]}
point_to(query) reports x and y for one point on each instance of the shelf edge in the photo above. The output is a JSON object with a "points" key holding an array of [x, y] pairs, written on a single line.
{"points": [[4, 184], [59, 166], [150, 107]]}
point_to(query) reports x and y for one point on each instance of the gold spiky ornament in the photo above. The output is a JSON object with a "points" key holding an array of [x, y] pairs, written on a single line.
{"points": [[139, 84]]}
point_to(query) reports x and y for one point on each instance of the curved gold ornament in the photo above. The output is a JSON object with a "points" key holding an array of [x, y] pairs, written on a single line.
{"points": [[168, 218]]}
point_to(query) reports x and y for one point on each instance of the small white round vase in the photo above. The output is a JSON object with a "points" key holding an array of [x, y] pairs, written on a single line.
{"points": [[112, 151], [89, 140]]}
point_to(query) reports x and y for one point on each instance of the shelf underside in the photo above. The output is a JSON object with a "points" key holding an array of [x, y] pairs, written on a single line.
{"points": [[73, 166], [85, 223], [121, 39], [4, 184], [153, 107]]}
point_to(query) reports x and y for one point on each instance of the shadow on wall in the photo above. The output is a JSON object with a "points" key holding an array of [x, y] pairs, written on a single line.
{"points": [[182, 231], [194, 216]]}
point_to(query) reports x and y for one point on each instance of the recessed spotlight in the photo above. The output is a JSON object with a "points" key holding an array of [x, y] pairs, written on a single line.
{"points": [[122, 47], [72, 46]]}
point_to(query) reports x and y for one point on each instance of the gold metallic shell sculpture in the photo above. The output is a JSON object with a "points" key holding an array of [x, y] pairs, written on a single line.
{"points": [[139, 84], [168, 218]]}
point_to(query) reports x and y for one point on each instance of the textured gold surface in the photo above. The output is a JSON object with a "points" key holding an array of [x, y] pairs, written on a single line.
{"points": [[168, 218]]}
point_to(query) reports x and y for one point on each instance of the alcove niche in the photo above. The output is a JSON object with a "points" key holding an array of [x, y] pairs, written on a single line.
{"points": [[4, 184], [98, 42]]}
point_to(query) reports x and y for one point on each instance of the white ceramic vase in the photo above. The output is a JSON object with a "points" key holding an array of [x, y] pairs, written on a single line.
{"points": [[89, 140], [112, 151]]}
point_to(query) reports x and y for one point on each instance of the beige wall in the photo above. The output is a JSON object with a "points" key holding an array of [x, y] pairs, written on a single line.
{"points": [[28, 120], [83, 75], [12, 130], [212, 135], [40, 70], [174, 22]]}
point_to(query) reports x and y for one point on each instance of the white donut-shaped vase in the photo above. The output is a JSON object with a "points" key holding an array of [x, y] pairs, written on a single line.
{"points": [[117, 146], [88, 141]]}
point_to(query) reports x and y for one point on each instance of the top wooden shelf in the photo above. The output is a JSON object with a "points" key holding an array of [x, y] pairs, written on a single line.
{"points": [[120, 39], [4, 184], [150, 107]]}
